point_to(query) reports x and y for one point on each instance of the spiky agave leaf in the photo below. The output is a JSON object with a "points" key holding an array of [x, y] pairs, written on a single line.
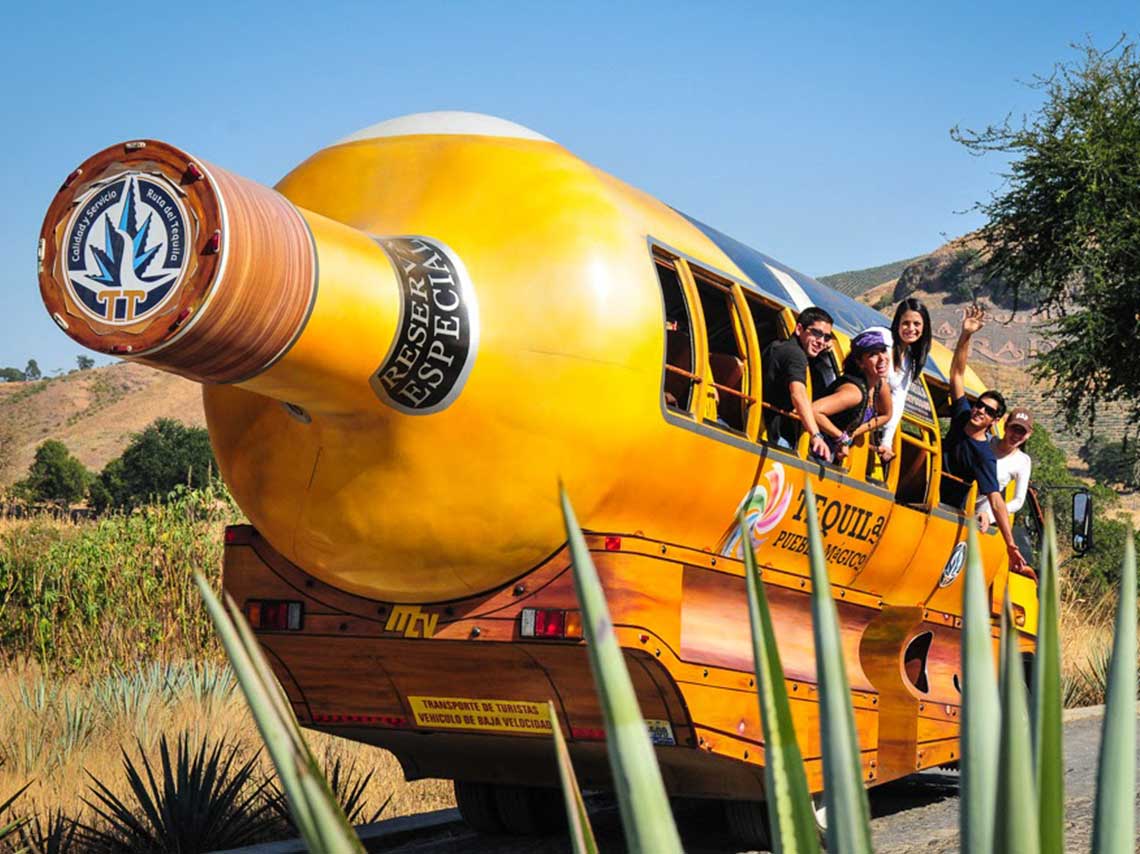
{"points": [[1115, 821], [645, 812], [848, 815], [581, 833], [57, 833], [1048, 756], [349, 784], [317, 815], [1016, 823], [981, 710], [7, 830], [200, 800], [786, 788]]}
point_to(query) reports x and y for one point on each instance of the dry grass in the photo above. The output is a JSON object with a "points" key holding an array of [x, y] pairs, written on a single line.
{"points": [[97, 622], [1086, 632], [40, 745]]}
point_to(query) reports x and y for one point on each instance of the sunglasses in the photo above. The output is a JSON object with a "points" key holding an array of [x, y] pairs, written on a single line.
{"points": [[989, 410], [1016, 429], [822, 336]]}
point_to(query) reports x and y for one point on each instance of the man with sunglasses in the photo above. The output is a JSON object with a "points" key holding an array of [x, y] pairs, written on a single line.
{"points": [[966, 451], [786, 365]]}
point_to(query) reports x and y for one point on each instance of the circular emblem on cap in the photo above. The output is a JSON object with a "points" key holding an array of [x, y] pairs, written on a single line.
{"points": [[125, 248], [954, 565]]}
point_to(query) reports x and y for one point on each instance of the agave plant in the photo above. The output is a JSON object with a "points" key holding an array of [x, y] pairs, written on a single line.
{"points": [[13, 825], [349, 784], [581, 833], [1115, 821], [56, 833], [314, 808], [1011, 747], [645, 812], [202, 799]]}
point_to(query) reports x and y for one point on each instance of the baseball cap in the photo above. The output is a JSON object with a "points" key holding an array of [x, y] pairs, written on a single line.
{"points": [[1020, 415]]}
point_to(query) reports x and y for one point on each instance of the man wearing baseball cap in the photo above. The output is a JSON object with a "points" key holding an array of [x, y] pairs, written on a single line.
{"points": [[1012, 463]]}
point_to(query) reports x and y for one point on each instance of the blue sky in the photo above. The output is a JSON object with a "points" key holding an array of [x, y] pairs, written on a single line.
{"points": [[818, 135]]}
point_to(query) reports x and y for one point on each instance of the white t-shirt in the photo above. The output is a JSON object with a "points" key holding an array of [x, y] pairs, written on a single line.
{"points": [[899, 381], [1016, 467]]}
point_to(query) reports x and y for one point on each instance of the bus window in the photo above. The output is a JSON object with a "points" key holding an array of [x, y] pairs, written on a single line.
{"points": [[679, 374], [915, 462], [767, 319], [918, 447], [727, 349]]}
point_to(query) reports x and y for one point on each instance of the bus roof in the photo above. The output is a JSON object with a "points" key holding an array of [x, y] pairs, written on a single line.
{"points": [[796, 290]]}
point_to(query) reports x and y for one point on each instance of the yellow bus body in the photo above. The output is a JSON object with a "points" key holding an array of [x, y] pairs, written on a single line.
{"points": [[415, 536]]}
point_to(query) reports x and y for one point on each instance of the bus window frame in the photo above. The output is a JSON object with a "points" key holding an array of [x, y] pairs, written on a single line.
{"points": [[695, 377], [746, 346], [932, 444]]}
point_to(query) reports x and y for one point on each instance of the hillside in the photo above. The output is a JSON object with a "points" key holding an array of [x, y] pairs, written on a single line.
{"points": [[855, 282], [93, 412], [1004, 351]]}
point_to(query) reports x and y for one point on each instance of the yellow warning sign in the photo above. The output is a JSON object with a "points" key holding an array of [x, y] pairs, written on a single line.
{"points": [[466, 713]]}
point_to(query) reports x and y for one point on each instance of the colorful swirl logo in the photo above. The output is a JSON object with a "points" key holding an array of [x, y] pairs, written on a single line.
{"points": [[763, 508]]}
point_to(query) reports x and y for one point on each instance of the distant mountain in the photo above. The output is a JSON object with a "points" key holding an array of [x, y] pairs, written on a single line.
{"points": [[94, 412], [855, 282]]}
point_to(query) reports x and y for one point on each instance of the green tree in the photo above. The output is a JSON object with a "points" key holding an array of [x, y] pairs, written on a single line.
{"points": [[85, 363], [32, 371], [164, 455], [12, 375], [55, 475], [1065, 229]]}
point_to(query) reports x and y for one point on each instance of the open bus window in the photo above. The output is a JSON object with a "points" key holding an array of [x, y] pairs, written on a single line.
{"points": [[916, 456], [726, 352], [679, 374], [918, 443], [768, 321]]}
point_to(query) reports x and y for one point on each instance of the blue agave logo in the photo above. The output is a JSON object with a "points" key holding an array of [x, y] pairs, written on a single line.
{"points": [[126, 248]]}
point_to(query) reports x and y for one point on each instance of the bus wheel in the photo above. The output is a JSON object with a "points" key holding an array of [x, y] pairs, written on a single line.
{"points": [[748, 822], [476, 802], [529, 811]]}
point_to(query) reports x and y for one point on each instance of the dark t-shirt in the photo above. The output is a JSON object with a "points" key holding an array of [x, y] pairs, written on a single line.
{"points": [[784, 362], [969, 459]]}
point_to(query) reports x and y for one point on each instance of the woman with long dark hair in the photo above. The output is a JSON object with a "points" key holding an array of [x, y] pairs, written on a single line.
{"points": [[911, 333]]}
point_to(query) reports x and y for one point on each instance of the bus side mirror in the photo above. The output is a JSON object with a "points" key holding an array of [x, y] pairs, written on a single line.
{"points": [[1082, 522]]}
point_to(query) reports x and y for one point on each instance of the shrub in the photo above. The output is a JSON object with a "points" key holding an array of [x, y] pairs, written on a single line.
{"points": [[116, 589], [54, 476], [164, 455]]}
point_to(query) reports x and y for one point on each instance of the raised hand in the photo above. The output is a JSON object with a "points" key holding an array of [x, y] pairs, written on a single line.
{"points": [[974, 319]]}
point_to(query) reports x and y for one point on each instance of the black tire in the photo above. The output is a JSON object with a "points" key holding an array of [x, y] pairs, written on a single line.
{"points": [[748, 822], [476, 802], [528, 811]]}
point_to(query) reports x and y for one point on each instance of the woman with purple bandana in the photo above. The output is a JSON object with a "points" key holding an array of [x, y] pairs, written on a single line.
{"points": [[859, 401]]}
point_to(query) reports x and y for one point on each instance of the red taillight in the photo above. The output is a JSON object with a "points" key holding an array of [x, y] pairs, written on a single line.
{"points": [[587, 733], [231, 535], [275, 614], [613, 544], [550, 623]]}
